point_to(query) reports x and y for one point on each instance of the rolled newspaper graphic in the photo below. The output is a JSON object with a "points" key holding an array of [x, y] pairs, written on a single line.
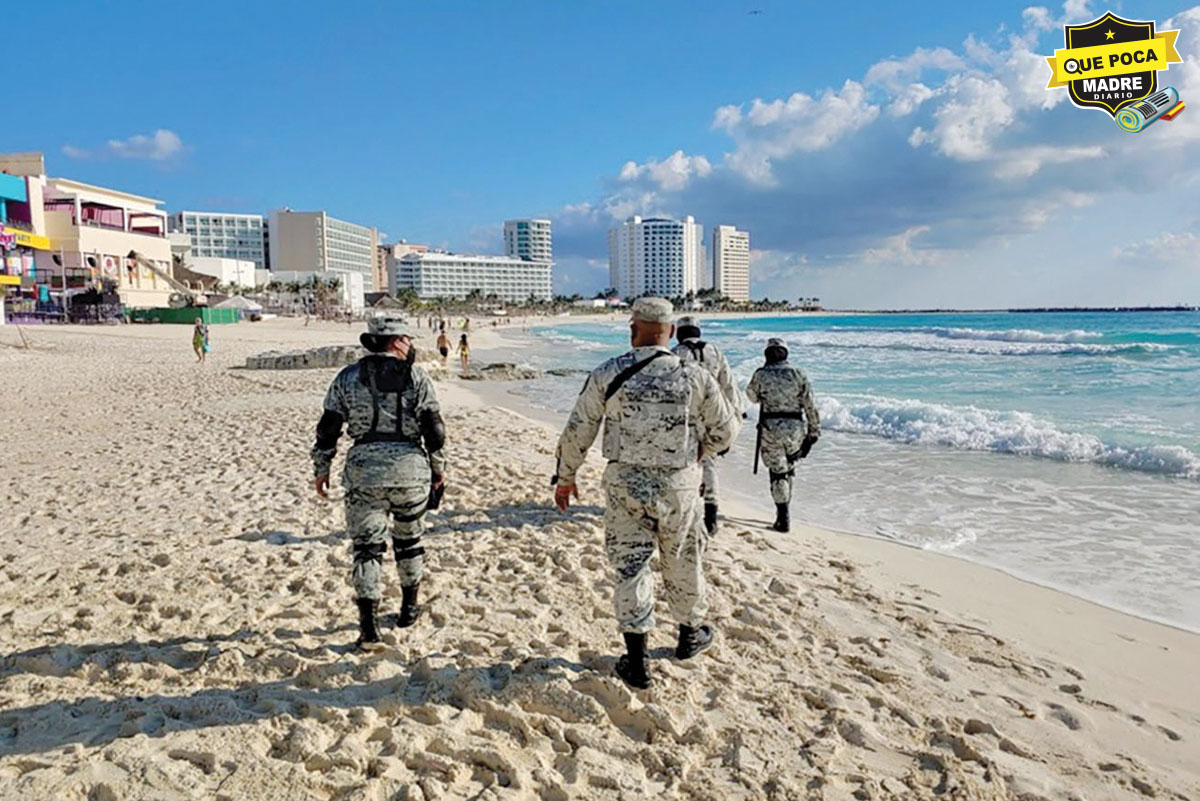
{"points": [[1137, 116]]}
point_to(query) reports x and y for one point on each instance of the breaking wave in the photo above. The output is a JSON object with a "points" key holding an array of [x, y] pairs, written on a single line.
{"points": [[1020, 433]]}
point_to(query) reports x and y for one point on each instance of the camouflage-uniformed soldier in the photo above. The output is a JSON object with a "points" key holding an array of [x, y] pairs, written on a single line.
{"points": [[788, 422], [661, 414], [692, 348], [393, 470]]}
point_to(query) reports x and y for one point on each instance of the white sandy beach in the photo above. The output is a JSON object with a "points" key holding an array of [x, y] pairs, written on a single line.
{"points": [[175, 623]]}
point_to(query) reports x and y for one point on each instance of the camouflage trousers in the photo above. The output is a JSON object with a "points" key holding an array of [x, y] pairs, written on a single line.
{"points": [[647, 510], [776, 447], [708, 478], [371, 513]]}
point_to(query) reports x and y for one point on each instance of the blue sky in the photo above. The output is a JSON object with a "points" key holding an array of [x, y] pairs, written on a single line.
{"points": [[881, 154]]}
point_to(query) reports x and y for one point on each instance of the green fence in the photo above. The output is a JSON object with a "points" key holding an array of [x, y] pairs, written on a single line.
{"points": [[186, 315]]}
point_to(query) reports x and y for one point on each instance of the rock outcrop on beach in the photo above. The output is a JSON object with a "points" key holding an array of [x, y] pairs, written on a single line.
{"points": [[176, 623], [496, 371], [309, 359]]}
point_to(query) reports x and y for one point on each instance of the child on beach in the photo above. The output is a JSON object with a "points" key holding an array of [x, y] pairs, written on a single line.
{"points": [[200, 339]]}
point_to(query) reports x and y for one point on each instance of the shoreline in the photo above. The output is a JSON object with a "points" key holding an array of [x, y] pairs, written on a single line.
{"points": [[506, 341]]}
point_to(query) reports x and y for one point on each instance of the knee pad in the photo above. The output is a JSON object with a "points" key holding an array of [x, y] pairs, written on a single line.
{"points": [[407, 548], [781, 476], [369, 551]]}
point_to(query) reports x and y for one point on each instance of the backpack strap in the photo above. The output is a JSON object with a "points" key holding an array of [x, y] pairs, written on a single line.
{"points": [[629, 372]]}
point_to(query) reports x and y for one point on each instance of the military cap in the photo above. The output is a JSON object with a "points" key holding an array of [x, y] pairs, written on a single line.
{"points": [[776, 342], [653, 310], [687, 321], [388, 325]]}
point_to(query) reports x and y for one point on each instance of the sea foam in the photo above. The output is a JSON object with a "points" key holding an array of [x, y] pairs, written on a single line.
{"points": [[1020, 433]]}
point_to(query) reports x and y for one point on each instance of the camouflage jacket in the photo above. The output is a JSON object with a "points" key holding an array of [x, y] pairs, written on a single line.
{"points": [[780, 387], [710, 357], [661, 418], [394, 455]]}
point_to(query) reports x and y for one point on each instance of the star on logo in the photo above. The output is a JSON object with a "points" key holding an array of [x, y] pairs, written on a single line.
{"points": [[1108, 34]]}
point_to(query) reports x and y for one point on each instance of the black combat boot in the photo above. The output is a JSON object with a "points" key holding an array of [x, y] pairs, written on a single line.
{"points": [[632, 666], [782, 518], [368, 636], [693, 641], [410, 610], [710, 517]]}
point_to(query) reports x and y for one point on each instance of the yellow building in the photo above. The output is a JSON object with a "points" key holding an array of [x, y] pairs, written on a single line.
{"points": [[90, 232]]}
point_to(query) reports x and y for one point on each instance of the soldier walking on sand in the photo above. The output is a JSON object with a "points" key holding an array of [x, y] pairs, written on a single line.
{"points": [[661, 415], [788, 423], [692, 348], [394, 470]]}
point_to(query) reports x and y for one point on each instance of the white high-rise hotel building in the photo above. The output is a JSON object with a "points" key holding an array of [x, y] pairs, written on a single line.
{"points": [[656, 256], [225, 236], [312, 241], [731, 262], [524, 272], [528, 239]]}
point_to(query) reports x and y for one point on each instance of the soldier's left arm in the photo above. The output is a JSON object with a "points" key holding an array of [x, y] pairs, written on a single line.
{"points": [[429, 421], [721, 422], [812, 418], [329, 428]]}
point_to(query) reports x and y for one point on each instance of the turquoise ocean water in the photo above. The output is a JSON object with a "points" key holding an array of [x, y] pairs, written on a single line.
{"points": [[1062, 448]]}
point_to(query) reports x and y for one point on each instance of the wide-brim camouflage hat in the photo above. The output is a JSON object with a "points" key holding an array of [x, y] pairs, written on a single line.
{"points": [[776, 342], [653, 310], [388, 325]]}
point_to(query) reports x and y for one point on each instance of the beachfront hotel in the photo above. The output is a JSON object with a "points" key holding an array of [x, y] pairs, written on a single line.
{"points": [[528, 239], [731, 262], [656, 256], [312, 241], [438, 274], [223, 236], [73, 234]]}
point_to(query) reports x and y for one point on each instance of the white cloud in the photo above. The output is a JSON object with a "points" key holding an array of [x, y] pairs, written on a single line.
{"points": [[895, 72], [899, 249], [162, 145], [1025, 161], [671, 174], [909, 99], [1038, 18], [965, 125], [776, 129], [1182, 248]]}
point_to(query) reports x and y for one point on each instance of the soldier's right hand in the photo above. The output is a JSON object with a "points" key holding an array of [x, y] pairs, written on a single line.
{"points": [[321, 485], [562, 496]]}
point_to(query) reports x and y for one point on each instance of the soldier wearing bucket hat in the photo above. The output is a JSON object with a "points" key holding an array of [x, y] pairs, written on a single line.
{"points": [[692, 348], [660, 414], [394, 470], [788, 423]]}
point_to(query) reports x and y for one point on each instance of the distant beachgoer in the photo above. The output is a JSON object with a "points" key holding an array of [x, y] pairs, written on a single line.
{"points": [[200, 339], [443, 345], [788, 423], [464, 352]]}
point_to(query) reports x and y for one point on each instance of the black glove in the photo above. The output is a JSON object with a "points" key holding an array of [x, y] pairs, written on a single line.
{"points": [[437, 489], [806, 446]]}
